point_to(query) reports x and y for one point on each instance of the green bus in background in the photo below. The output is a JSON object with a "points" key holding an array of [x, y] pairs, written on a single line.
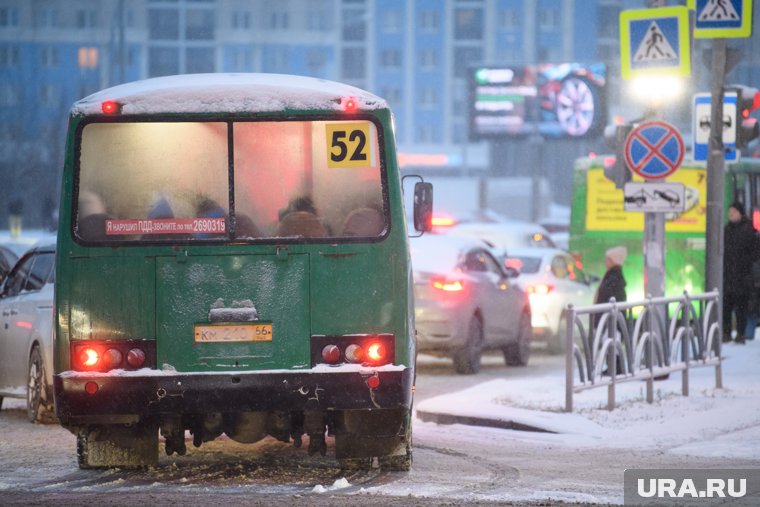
{"points": [[233, 259], [598, 222]]}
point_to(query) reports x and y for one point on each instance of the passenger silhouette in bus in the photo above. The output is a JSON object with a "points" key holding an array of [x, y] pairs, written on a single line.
{"points": [[300, 218], [91, 224]]}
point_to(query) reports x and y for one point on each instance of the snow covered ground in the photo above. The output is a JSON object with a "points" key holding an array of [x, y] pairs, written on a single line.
{"points": [[709, 422]]}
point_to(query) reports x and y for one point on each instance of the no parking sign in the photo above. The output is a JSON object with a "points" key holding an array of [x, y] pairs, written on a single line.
{"points": [[654, 150]]}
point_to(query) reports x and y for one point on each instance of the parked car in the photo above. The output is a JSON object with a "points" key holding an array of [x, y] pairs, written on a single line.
{"points": [[552, 278], [505, 234], [467, 302], [26, 333]]}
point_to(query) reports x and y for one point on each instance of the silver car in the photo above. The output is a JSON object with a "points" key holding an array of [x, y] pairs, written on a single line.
{"points": [[553, 279], [466, 302], [26, 333]]}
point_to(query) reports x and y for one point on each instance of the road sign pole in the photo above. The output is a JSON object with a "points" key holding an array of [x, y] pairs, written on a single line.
{"points": [[715, 173], [654, 254]]}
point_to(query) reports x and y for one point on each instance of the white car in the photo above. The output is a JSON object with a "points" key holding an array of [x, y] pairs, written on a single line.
{"points": [[467, 302], [26, 333], [553, 279], [505, 234]]}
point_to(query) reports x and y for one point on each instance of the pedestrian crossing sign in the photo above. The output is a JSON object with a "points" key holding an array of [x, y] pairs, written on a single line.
{"points": [[721, 18], [655, 42]]}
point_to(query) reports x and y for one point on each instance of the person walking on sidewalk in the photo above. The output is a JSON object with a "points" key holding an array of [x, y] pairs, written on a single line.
{"points": [[740, 251]]}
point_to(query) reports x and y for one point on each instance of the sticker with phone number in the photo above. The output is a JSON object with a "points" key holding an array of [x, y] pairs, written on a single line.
{"points": [[348, 144]]}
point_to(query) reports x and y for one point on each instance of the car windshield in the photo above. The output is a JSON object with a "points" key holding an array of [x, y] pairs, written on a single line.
{"points": [[435, 254], [170, 181]]}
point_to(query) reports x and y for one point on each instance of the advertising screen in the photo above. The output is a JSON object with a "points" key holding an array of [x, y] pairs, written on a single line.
{"points": [[553, 100]]}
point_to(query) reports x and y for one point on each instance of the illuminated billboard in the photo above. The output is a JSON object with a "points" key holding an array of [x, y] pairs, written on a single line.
{"points": [[553, 100]]}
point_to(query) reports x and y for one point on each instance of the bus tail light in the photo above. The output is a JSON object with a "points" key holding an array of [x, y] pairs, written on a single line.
{"points": [[110, 107], [106, 355], [371, 350]]}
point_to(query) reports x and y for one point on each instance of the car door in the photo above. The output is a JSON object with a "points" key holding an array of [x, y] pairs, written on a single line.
{"points": [[496, 299], [10, 332], [579, 282]]}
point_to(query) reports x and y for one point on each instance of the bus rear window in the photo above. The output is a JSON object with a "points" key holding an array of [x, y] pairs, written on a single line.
{"points": [[170, 181]]}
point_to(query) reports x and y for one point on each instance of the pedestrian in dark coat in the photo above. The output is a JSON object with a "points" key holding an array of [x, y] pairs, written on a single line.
{"points": [[613, 282], [740, 251]]}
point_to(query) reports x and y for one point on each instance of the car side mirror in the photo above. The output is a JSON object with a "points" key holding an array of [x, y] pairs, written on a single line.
{"points": [[423, 206], [511, 272]]}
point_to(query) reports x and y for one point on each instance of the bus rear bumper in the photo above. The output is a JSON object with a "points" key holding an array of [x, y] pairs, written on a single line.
{"points": [[102, 398]]}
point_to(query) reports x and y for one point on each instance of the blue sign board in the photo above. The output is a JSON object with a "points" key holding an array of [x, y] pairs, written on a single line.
{"points": [[701, 126], [722, 18], [654, 150]]}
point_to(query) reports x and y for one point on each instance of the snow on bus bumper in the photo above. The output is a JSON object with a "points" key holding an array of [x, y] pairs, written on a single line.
{"points": [[129, 396]]}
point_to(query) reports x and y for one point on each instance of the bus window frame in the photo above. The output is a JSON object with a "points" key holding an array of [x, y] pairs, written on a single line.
{"points": [[230, 121]]}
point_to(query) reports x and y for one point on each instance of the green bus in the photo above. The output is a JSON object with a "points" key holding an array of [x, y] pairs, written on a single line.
{"points": [[233, 259], [598, 221]]}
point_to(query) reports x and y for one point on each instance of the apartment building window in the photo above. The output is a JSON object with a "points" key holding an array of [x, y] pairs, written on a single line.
{"points": [[390, 59], [468, 24], [241, 20], [318, 20], [426, 134], [391, 94], [354, 63], [509, 20], [429, 21], [50, 95], [200, 24], [8, 17], [86, 18], [46, 18], [163, 24], [278, 20], [277, 60], [49, 56], [9, 56], [316, 61], [163, 61], [428, 59], [198, 60], [466, 57], [87, 57], [391, 21], [428, 98], [354, 24], [9, 95], [548, 19]]}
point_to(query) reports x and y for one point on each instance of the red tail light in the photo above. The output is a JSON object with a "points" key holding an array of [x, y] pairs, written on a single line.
{"points": [[106, 355], [446, 285], [110, 107], [372, 350], [542, 288], [442, 221]]}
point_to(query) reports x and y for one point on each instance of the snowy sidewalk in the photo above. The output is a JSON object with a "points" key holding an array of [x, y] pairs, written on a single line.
{"points": [[710, 422]]}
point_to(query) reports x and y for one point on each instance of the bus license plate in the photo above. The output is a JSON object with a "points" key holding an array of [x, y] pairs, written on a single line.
{"points": [[233, 333]]}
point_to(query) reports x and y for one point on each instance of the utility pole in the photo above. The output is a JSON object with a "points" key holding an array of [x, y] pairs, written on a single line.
{"points": [[715, 172]]}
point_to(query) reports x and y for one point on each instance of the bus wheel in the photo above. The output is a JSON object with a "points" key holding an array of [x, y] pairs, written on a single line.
{"points": [[402, 463], [517, 353], [118, 445], [467, 358]]}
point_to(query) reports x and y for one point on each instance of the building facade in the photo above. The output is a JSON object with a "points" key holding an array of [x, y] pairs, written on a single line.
{"points": [[415, 53]]}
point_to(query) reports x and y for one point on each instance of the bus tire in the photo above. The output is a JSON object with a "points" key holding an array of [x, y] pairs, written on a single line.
{"points": [[118, 445], [517, 353], [467, 358], [355, 464]]}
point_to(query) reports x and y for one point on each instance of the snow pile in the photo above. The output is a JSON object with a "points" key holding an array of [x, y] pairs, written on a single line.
{"points": [[341, 483]]}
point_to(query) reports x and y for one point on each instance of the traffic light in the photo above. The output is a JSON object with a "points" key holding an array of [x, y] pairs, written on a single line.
{"points": [[616, 170], [747, 100]]}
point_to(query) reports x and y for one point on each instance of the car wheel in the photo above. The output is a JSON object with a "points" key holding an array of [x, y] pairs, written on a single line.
{"points": [[38, 409], [467, 359], [517, 353]]}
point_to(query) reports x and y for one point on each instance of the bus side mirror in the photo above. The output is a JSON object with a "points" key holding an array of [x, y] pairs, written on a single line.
{"points": [[423, 206]]}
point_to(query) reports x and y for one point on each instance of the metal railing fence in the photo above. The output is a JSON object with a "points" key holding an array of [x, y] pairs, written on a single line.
{"points": [[613, 342]]}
